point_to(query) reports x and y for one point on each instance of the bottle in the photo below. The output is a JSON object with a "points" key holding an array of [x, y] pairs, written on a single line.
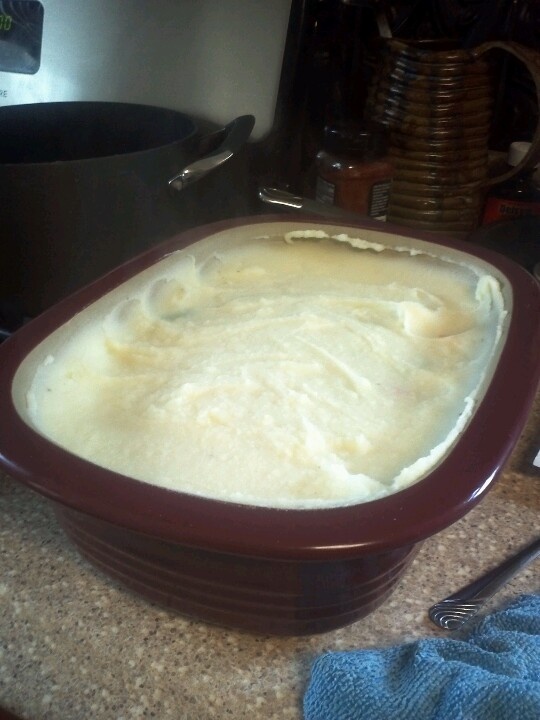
{"points": [[518, 196], [353, 170]]}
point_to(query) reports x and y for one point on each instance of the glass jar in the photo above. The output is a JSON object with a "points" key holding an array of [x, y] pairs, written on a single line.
{"points": [[353, 170], [518, 196]]}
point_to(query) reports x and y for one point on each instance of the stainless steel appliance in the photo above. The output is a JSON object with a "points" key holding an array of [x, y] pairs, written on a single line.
{"points": [[213, 60]]}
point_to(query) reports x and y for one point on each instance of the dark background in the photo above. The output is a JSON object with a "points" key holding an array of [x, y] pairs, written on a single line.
{"points": [[334, 64]]}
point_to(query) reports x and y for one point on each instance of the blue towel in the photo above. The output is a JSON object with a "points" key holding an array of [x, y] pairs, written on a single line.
{"points": [[493, 674]]}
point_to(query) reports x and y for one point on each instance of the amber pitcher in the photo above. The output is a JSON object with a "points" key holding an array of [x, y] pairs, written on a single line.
{"points": [[437, 100]]}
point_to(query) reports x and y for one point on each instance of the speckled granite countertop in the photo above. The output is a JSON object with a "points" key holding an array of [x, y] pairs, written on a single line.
{"points": [[74, 645]]}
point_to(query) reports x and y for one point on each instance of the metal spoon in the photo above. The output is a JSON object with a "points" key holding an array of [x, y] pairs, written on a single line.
{"points": [[455, 610]]}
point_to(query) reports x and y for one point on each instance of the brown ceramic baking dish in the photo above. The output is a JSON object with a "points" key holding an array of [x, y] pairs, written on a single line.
{"points": [[263, 569]]}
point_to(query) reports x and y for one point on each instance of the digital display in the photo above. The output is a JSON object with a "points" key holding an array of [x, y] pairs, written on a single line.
{"points": [[6, 23], [21, 30]]}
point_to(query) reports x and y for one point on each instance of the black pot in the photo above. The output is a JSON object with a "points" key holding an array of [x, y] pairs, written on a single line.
{"points": [[88, 185]]}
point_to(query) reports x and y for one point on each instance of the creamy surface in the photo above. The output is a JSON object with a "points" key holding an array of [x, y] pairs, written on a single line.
{"points": [[285, 372]]}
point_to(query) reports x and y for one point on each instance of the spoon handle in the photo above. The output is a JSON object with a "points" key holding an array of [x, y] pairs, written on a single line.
{"points": [[456, 609]]}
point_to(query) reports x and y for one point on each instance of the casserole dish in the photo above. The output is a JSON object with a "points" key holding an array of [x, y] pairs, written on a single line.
{"points": [[267, 569]]}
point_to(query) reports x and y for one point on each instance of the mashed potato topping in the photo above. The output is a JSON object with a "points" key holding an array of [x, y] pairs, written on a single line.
{"points": [[289, 372]]}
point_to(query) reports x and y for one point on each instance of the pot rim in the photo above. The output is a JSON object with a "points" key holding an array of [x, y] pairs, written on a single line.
{"points": [[191, 132], [450, 490]]}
